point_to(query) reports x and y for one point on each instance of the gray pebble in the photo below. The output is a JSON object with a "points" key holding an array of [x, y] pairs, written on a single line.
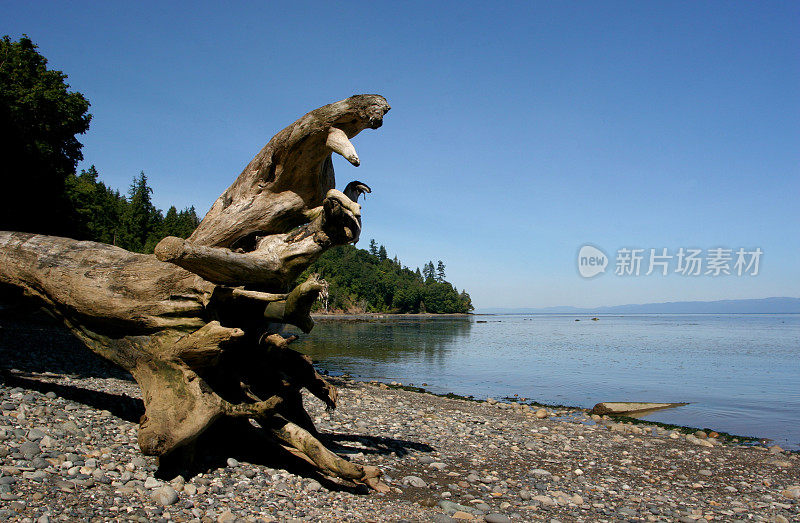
{"points": [[451, 507], [151, 483], [414, 481], [29, 449], [70, 426], [496, 518], [36, 434], [165, 495]]}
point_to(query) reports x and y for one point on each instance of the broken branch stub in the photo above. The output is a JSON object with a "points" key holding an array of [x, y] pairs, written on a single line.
{"points": [[196, 323]]}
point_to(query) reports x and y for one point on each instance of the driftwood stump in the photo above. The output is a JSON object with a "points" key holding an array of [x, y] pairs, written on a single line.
{"points": [[197, 323]]}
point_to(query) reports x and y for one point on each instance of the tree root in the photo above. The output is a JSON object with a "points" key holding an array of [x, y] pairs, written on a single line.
{"points": [[307, 447], [189, 322]]}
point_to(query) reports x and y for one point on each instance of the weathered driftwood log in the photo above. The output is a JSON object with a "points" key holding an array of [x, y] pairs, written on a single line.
{"points": [[196, 324]]}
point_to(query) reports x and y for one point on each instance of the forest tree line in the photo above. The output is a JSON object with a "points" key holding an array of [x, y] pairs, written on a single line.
{"points": [[130, 221], [361, 280]]}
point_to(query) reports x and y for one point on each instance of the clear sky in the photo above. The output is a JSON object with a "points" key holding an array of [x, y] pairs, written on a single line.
{"points": [[518, 132]]}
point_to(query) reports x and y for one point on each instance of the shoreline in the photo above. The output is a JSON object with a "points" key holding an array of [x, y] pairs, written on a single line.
{"points": [[367, 316], [572, 409], [445, 459]]}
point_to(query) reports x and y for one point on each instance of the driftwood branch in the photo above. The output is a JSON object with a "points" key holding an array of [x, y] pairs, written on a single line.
{"points": [[196, 324]]}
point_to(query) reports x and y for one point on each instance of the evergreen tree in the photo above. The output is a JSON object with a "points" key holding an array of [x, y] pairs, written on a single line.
{"points": [[188, 221], [81, 192], [465, 302], [382, 253], [373, 247], [440, 271], [180, 224], [170, 225], [140, 219], [429, 271], [96, 209], [103, 215], [39, 121]]}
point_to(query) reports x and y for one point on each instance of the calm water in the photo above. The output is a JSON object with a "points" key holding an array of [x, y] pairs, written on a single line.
{"points": [[741, 373]]}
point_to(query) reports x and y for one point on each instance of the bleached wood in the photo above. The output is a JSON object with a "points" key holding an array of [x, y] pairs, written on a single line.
{"points": [[195, 322]]}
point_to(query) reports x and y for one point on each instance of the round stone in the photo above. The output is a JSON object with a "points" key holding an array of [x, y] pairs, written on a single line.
{"points": [[29, 449], [414, 481], [165, 495]]}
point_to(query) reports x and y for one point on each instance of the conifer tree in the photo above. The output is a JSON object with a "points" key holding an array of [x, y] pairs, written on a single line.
{"points": [[140, 218], [39, 121]]}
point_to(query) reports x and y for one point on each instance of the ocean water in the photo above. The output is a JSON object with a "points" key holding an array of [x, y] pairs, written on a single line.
{"points": [[739, 372]]}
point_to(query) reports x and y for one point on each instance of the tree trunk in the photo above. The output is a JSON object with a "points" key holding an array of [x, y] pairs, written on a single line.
{"points": [[197, 323]]}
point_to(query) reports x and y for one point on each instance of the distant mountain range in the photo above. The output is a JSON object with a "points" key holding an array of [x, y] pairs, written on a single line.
{"points": [[756, 306]]}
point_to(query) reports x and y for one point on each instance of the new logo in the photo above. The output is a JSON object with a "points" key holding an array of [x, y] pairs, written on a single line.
{"points": [[591, 261]]}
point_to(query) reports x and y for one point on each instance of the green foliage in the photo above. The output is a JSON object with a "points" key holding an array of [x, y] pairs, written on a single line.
{"points": [[360, 281], [97, 208], [133, 223], [39, 121], [429, 272], [140, 217], [180, 224]]}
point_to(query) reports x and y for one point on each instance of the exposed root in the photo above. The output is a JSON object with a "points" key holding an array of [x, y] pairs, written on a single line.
{"points": [[187, 321], [204, 347], [299, 370], [316, 453], [258, 410]]}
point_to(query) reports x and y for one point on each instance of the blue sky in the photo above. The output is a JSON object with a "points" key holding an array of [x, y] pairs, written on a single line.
{"points": [[518, 132]]}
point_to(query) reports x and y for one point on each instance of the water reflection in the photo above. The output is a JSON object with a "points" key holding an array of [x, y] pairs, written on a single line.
{"points": [[332, 342], [739, 372]]}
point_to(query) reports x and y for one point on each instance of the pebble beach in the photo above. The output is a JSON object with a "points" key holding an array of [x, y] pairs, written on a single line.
{"points": [[68, 452]]}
